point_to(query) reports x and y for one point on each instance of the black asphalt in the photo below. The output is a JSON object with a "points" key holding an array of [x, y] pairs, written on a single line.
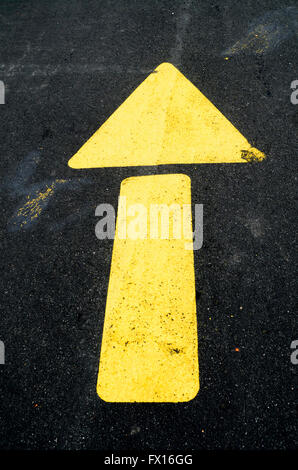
{"points": [[66, 66]]}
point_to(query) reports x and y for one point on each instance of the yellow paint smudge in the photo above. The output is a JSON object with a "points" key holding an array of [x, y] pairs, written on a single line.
{"points": [[34, 205]]}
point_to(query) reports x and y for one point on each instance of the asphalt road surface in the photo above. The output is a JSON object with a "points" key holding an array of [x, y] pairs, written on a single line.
{"points": [[66, 66]]}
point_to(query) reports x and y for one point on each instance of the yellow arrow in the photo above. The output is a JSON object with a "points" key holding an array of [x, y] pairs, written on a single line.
{"points": [[149, 347]]}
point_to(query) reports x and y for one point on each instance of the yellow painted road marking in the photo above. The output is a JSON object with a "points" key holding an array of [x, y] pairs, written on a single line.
{"points": [[165, 120], [149, 347]]}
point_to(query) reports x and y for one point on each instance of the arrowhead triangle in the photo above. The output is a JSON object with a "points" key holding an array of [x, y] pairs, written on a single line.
{"points": [[166, 120]]}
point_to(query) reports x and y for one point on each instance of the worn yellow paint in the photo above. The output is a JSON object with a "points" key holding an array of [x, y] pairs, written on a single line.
{"points": [[33, 206], [149, 347], [165, 120]]}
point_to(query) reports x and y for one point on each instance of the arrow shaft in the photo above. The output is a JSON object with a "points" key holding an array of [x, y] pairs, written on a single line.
{"points": [[149, 347]]}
